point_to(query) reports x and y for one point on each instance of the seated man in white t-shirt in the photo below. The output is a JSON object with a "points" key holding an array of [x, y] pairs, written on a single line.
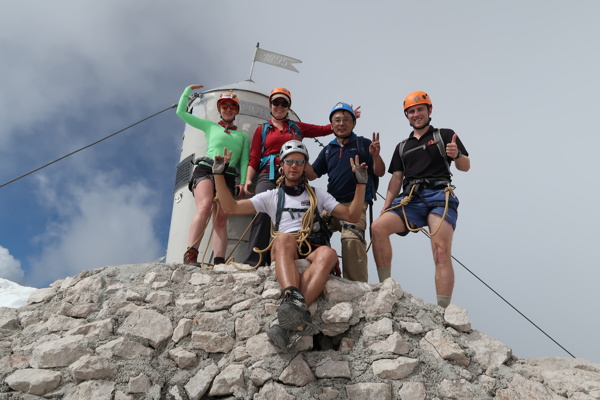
{"points": [[288, 213]]}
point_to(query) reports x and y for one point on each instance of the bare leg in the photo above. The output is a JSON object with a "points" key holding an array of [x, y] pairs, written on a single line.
{"points": [[220, 232], [314, 279], [203, 197], [441, 245], [387, 224], [284, 254]]}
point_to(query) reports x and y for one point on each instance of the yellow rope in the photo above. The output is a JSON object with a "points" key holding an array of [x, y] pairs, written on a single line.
{"points": [[447, 192], [231, 260], [300, 236]]}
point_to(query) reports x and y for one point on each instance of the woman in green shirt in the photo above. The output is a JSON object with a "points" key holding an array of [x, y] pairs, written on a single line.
{"points": [[218, 136]]}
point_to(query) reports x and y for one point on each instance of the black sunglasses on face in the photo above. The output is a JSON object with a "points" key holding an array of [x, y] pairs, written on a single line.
{"points": [[281, 103]]}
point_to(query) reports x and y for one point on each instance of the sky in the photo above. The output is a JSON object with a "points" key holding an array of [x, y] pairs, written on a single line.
{"points": [[516, 80]]}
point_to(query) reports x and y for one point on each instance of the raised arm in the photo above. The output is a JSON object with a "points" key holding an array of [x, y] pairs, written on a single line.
{"points": [[463, 163], [374, 150], [229, 204], [353, 213], [190, 119]]}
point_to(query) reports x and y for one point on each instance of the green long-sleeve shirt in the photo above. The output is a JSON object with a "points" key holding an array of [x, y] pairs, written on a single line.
{"points": [[217, 138]]}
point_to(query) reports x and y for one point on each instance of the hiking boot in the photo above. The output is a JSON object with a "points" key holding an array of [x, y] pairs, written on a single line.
{"points": [[294, 315], [190, 256], [279, 337]]}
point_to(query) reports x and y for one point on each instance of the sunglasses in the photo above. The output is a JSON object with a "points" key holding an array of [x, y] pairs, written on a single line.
{"points": [[281, 103], [291, 161], [228, 106]]}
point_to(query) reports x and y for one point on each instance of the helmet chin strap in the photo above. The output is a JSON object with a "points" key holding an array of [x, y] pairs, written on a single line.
{"points": [[424, 126], [280, 119], [225, 121], [227, 124]]}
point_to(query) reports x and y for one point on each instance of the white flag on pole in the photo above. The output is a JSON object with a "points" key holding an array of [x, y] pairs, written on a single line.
{"points": [[278, 60]]}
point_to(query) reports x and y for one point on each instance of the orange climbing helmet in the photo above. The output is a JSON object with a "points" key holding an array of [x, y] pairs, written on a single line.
{"points": [[281, 92], [418, 97], [228, 96]]}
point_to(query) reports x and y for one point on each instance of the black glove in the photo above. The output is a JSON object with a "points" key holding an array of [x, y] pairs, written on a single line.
{"points": [[360, 174]]}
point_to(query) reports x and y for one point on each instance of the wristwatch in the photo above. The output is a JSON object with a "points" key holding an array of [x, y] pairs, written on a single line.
{"points": [[459, 155]]}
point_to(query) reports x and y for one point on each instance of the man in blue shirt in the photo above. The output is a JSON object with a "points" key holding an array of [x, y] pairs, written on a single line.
{"points": [[334, 161]]}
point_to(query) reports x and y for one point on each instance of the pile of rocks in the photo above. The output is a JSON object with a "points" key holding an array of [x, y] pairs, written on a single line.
{"points": [[162, 331]]}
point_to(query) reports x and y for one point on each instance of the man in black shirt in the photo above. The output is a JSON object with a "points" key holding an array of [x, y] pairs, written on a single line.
{"points": [[420, 193]]}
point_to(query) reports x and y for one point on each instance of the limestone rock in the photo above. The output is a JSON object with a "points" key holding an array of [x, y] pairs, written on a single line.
{"points": [[33, 381], [60, 352], [108, 334], [92, 367], [361, 391], [456, 317], [228, 381], [198, 385], [397, 368], [297, 373], [148, 324]]}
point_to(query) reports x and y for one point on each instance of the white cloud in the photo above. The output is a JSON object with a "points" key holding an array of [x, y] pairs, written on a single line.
{"points": [[100, 223], [76, 54], [10, 268]]}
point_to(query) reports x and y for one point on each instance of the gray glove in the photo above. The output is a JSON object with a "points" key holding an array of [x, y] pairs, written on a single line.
{"points": [[361, 175], [219, 166]]}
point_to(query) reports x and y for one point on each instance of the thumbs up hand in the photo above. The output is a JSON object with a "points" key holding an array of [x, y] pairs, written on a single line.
{"points": [[452, 150]]}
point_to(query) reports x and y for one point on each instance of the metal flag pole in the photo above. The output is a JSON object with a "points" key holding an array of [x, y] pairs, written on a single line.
{"points": [[253, 61]]}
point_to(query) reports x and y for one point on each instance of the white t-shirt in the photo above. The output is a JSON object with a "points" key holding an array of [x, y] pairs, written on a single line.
{"points": [[266, 202]]}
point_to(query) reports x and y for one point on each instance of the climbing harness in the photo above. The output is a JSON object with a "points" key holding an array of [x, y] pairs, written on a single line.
{"points": [[416, 185], [448, 190], [358, 232]]}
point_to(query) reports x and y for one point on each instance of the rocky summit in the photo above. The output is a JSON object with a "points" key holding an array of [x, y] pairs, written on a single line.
{"points": [[172, 331]]}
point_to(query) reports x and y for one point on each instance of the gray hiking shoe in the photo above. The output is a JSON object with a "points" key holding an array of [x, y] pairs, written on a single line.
{"points": [[279, 337], [294, 315], [282, 338]]}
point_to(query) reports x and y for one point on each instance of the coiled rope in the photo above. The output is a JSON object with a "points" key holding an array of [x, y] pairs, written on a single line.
{"points": [[448, 190], [301, 236]]}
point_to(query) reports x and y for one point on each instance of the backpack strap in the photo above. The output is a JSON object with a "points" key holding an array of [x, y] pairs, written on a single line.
{"points": [[401, 151], [266, 159], [270, 159], [280, 204], [281, 208], [295, 129], [437, 137]]}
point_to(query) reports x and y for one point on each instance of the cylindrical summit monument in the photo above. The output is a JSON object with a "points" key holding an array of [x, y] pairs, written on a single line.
{"points": [[254, 110]]}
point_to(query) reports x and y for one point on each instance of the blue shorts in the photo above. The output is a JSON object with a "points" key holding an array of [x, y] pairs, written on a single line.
{"points": [[426, 202]]}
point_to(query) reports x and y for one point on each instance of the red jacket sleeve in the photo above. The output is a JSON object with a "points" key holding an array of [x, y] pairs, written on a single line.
{"points": [[310, 130], [273, 144]]}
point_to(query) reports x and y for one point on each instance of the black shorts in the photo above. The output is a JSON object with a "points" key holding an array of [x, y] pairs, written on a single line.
{"points": [[202, 172]]}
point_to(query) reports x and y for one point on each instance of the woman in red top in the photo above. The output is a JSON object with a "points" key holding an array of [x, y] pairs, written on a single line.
{"points": [[264, 160]]}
